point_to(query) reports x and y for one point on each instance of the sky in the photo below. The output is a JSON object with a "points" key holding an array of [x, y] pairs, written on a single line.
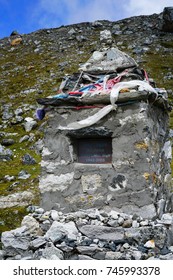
{"points": [[26, 16]]}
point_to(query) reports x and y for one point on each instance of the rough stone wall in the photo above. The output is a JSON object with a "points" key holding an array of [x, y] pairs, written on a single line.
{"points": [[137, 180]]}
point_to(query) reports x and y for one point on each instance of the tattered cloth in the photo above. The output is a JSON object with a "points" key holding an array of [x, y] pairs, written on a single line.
{"points": [[100, 81], [106, 110]]}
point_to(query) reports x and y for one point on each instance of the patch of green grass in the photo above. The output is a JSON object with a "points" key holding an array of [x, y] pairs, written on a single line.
{"points": [[167, 44], [14, 166], [10, 218]]}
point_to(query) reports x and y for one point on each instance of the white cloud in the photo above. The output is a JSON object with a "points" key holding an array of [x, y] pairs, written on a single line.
{"points": [[53, 13], [93, 10], [57, 7], [146, 7]]}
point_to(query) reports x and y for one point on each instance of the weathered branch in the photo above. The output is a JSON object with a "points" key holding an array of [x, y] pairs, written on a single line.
{"points": [[91, 100], [104, 99]]}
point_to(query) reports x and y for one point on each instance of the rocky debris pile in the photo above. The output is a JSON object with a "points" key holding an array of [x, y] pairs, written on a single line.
{"points": [[13, 117], [87, 235]]}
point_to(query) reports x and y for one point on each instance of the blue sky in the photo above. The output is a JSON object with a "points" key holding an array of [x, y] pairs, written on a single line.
{"points": [[27, 16]]}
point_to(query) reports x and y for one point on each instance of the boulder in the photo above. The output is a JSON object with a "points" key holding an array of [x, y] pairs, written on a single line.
{"points": [[59, 231], [28, 159], [7, 113], [14, 33], [110, 60], [113, 256], [31, 224], [37, 243], [88, 250], [5, 154], [51, 252], [167, 25], [103, 232], [106, 36], [23, 175], [16, 41], [1, 254], [15, 241], [29, 124], [18, 198], [167, 219], [7, 142]]}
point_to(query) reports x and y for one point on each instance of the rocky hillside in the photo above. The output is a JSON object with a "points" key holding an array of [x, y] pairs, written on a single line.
{"points": [[32, 66]]}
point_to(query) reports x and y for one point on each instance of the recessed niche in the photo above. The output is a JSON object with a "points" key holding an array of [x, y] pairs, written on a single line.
{"points": [[94, 150]]}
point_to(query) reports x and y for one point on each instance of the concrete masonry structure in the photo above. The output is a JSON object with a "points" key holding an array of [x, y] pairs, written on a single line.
{"points": [[122, 162]]}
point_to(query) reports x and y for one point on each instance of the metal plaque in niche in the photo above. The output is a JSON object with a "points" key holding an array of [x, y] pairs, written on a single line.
{"points": [[95, 150]]}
